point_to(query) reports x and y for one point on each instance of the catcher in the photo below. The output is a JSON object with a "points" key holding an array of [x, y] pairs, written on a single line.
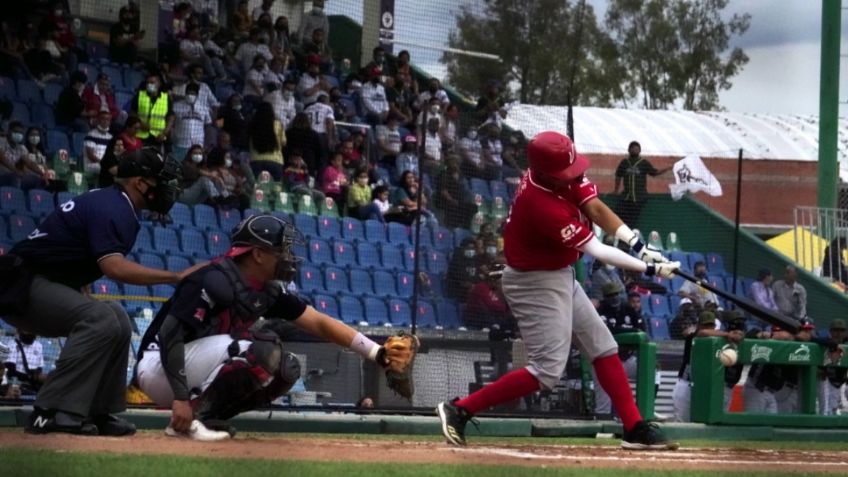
{"points": [[205, 356]]}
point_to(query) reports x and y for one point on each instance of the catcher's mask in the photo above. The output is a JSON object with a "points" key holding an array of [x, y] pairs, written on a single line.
{"points": [[270, 233], [147, 163]]}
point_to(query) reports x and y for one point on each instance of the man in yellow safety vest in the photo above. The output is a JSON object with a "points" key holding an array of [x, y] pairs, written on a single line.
{"points": [[155, 110]]}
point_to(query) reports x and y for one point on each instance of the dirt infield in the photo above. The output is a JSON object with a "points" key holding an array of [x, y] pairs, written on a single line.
{"points": [[364, 450]]}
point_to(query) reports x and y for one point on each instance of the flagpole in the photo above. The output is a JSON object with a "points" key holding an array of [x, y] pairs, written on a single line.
{"points": [[738, 208]]}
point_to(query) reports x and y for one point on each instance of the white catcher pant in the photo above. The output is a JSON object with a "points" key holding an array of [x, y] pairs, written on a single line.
{"points": [[203, 359], [830, 398], [603, 403], [682, 397]]}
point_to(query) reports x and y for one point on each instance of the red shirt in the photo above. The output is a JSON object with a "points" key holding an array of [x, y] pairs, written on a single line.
{"points": [[545, 227], [94, 101]]}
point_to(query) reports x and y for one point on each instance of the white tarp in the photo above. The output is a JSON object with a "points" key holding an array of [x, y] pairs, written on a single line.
{"points": [[691, 175]]}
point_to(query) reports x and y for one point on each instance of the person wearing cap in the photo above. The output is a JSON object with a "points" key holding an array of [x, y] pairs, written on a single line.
{"points": [[834, 378], [373, 95], [682, 394], [407, 160], [603, 274], [43, 290], [761, 290], [312, 82], [632, 171]]}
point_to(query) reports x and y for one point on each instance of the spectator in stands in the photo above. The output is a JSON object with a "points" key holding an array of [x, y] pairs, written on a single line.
{"points": [[374, 101], [156, 110], [13, 149], [266, 28], [360, 200], [62, 38], [263, 9], [402, 70], [491, 150], [32, 163], [312, 82], [432, 111], [378, 61], [431, 160], [301, 138], [283, 102], [449, 133], [323, 123], [633, 171], [789, 295], [129, 137], [297, 180], [229, 182], [696, 293], [761, 290], [281, 46], [193, 51], [109, 163], [100, 97], [191, 120], [602, 275], [7, 389], [462, 271], [26, 362], [181, 21], [317, 45], [833, 377], [197, 183], [407, 160], [633, 309], [334, 181], [240, 21], [405, 197], [275, 74], [234, 122], [248, 50], [354, 150], [453, 196], [343, 108], [254, 82], [315, 18], [685, 320], [389, 141], [434, 90], [124, 38], [205, 97], [471, 154], [70, 108], [490, 106], [833, 265], [240, 167], [267, 140], [510, 167], [96, 142], [486, 305], [399, 97]]}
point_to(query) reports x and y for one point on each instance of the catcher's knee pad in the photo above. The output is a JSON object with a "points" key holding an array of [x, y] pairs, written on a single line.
{"points": [[287, 375], [265, 359]]}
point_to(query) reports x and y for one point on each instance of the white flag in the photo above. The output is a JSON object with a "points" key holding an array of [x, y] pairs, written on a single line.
{"points": [[691, 175]]}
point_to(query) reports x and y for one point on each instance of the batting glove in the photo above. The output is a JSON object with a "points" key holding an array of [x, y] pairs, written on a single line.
{"points": [[664, 269], [646, 253]]}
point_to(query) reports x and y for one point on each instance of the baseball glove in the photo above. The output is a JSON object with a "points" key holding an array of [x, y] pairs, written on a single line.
{"points": [[397, 355]]}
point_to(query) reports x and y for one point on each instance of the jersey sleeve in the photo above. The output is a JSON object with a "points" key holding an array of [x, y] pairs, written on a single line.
{"points": [[110, 233], [584, 191], [288, 307], [568, 230]]}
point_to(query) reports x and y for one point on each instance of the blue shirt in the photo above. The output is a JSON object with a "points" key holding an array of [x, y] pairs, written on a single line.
{"points": [[68, 245]]}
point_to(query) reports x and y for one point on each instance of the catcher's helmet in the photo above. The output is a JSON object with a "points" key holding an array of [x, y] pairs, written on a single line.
{"points": [[271, 233], [554, 154]]}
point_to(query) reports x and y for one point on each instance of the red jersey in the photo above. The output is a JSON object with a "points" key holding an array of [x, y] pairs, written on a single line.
{"points": [[545, 227]]}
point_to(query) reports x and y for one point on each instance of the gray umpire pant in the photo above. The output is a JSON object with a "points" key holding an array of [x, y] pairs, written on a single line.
{"points": [[91, 372]]}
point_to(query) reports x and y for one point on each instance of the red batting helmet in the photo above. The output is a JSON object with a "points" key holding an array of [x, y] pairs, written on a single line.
{"points": [[554, 154]]}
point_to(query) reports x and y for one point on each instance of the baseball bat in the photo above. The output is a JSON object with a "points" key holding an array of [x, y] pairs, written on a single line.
{"points": [[769, 316]]}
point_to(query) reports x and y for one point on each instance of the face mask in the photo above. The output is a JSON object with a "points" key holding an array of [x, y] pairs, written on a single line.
{"points": [[58, 13], [609, 267], [491, 251], [152, 88], [228, 162], [34, 140], [434, 109], [197, 158], [237, 107], [470, 253], [362, 181], [472, 135], [287, 94], [190, 99]]}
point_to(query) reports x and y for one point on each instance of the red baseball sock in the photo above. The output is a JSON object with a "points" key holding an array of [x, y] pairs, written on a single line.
{"points": [[613, 379], [511, 385]]}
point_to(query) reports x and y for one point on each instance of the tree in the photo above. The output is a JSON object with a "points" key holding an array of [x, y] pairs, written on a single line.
{"points": [[537, 41]]}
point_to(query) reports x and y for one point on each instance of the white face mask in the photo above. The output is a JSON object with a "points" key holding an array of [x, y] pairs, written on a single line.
{"points": [[434, 109], [287, 94], [472, 134], [190, 99], [228, 162], [609, 267], [152, 88], [197, 158], [34, 140]]}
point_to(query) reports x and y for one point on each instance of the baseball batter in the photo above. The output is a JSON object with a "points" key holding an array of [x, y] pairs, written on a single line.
{"points": [[548, 228], [203, 357]]}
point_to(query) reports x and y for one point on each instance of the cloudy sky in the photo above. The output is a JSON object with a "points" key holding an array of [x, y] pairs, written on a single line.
{"points": [[782, 43]]}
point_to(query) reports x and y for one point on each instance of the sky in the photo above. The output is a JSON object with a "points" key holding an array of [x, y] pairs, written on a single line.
{"points": [[782, 75]]}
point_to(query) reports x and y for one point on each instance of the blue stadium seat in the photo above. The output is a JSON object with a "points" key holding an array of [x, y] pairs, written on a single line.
{"points": [[498, 189], [12, 200], [360, 282], [425, 238], [335, 280], [352, 229], [696, 257], [181, 215], [715, 264], [344, 253], [646, 303], [229, 219], [437, 262], [659, 305], [251, 212], [459, 235], [177, 264], [151, 260], [20, 112], [409, 258], [132, 78], [681, 257], [746, 285], [42, 115], [443, 239], [329, 227], [299, 249], [77, 144], [405, 284], [310, 279], [674, 304], [447, 315], [136, 290], [217, 243], [426, 315], [367, 255], [165, 241], [104, 286], [163, 291], [64, 197], [375, 310], [718, 282], [193, 243], [20, 226], [7, 88], [320, 252], [143, 241], [384, 283], [89, 69], [52, 91], [306, 224], [123, 99], [391, 257], [350, 310], [115, 75], [40, 202], [28, 91], [398, 233], [398, 312], [481, 187], [659, 329], [4, 229], [56, 140], [326, 304], [436, 284], [375, 231], [675, 283], [205, 217]]}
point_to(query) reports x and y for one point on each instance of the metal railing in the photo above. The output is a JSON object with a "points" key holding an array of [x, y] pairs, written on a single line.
{"points": [[821, 236]]}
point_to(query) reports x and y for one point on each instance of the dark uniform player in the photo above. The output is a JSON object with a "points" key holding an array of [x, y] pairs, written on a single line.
{"points": [[733, 321], [40, 281], [202, 355], [831, 395]]}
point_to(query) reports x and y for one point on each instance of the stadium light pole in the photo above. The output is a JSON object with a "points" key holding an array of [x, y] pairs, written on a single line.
{"points": [[829, 102]]}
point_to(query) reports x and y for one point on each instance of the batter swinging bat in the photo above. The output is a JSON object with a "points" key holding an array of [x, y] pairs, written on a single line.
{"points": [[774, 318]]}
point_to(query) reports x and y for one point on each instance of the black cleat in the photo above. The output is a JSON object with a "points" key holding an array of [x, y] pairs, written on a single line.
{"points": [[646, 436], [45, 421], [453, 419], [111, 425]]}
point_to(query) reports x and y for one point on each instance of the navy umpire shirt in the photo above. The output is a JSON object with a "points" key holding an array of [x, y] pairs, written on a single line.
{"points": [[68, 245]]}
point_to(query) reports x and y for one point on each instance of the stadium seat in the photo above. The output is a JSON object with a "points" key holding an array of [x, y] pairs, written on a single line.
{"points": [[52, 91], [335, 280], [305, 205], [56, 140], [7, 88], [251, 212], [77, 144], [176, 263], [659, 305], [151, 260], [405, 284], [162, 291], [695, 257], [674, 304], [460, 234], [717, 281], [350, 310], [498, 189], [20, 112], [646, 303], [310, 279], [659, 329], [384, 283], [306, 224], [481, 187], [89, 69], [398, 233], [443, 239], [284, 203], [409, 259], [217, 243], [447, 315], [344, 253], [143, 241], [42, 115], [375, 231], [136, 291], [132, 78], [426, 315], [20, 226], [181, 215], [675, 283], [205, 217], [375, 310], [28, 91], [436, 284], [352, 229], [192, 242], [682, 257], [655, 240], [391, 257], [165, 241], [116, 77], [398, 312], [715, 264], [367, 255], [320, 252], [104, 286], [746, 285], [326, 304], [229, 219], [64, 197], [329, 227], [360, 282], [672, 244], [328, 208], [40, 202], [437, 262], [12, 200]]}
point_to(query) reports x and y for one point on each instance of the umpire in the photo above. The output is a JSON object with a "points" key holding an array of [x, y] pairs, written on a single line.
{"points": [[40, 292]]}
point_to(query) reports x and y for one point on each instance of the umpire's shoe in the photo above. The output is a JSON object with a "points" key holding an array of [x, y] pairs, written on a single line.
{"points": [[111, 425], [646, 436], [454, 419], [45, 421]]}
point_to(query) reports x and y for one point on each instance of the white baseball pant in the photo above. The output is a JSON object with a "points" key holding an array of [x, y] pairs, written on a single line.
{"points": [[758, 401], [682, 397]]}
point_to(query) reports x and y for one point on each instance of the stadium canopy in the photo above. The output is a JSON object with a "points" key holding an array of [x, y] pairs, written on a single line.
{"points": [[681, 133]]}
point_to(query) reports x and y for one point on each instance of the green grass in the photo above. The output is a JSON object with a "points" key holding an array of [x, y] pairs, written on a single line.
{"points": [[56, 464]]}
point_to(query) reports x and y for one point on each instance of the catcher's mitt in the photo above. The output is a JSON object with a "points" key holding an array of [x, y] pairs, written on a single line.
{"points": [[397, 355]]}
